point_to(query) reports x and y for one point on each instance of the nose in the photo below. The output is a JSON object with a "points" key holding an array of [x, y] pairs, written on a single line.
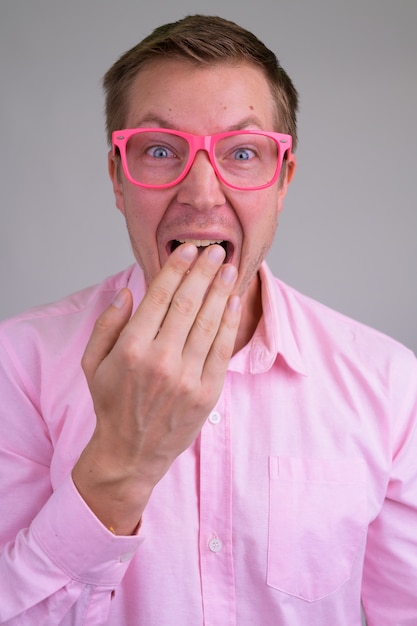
{"points": [[201, 188]]}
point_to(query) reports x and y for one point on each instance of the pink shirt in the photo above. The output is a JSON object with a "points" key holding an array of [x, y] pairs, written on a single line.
{"points": [[298, 499]]}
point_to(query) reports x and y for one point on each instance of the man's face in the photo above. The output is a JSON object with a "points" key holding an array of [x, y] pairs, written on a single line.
{"points": [[174, 94]]}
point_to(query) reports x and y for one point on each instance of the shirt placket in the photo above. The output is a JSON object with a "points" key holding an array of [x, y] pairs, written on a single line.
{"points": [[216, 556]]}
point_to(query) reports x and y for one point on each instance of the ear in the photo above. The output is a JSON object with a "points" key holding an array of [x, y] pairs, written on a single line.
{"points": [[290, 166], [114, 168]]}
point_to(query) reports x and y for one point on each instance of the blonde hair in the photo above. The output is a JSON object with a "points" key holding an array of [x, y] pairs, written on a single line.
{"points": [[202, 40]]}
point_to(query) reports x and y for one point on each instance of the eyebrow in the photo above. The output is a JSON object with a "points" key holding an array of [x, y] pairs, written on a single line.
{"points": [[251, 120], [154, 121]]}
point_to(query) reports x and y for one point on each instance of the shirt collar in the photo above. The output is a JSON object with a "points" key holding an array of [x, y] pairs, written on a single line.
{"points": [[274, 336]]}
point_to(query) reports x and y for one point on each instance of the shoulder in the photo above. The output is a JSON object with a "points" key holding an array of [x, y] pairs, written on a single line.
{"points": [[61, 322], [324, 334]]}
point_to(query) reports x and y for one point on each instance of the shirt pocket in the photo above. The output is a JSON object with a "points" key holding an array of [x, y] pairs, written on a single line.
{"points": [[317, 522]]}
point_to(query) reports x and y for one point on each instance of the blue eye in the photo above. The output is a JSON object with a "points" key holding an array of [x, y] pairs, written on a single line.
{"points": [[160, 152], [243, 154]]}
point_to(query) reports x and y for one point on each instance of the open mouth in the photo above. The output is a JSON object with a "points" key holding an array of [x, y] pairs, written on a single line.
{"points": [[204, 243]]}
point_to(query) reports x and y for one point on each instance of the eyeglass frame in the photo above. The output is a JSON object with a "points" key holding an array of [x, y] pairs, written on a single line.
{"points": [[199, 142]]}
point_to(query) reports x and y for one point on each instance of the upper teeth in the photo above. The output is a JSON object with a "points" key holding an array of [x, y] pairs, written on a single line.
{"points": [[201, 242]]}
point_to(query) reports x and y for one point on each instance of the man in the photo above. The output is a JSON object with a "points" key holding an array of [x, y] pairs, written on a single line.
{"points": [[230, 452]]}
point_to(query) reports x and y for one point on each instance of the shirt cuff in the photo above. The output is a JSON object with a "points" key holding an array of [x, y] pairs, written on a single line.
{"points": [[78, 543]]}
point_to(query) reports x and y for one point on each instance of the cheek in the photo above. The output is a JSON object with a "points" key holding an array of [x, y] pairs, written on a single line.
{"points": [[141, 210], [263, 220]]}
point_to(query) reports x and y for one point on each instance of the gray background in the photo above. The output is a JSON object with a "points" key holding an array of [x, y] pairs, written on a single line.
{"points": [[347, 233]]}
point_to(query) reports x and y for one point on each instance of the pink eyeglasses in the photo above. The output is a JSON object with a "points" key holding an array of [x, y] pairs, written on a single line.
{"points": [[159, 158]]}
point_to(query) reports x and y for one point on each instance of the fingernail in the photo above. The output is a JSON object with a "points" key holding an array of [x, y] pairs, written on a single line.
{"points": [[234, 303], [120, 299], [188, 251], [216, 253], [228, 274]]}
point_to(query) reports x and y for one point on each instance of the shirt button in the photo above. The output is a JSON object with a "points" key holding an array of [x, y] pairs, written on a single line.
{"points": [[215, 544], [126, 557], [214, 417]]}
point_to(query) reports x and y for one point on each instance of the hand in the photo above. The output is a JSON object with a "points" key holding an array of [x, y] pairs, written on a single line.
{"points": [[154, 378]]}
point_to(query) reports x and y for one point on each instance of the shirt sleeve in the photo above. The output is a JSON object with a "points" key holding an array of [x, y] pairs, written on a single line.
{"points": [[390, 572], [57, 561]]}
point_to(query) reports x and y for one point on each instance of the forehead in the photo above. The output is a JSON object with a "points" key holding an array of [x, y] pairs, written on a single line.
{"points": [[200, 99]]}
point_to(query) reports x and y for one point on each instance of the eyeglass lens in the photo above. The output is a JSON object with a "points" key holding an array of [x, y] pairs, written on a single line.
{"points": [[243, 160]]}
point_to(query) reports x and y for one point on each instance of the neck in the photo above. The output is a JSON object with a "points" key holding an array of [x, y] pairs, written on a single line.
{"points": [[251, 314]]}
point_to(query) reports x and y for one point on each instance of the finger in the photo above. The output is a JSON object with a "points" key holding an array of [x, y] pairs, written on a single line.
{"points": [[223, 346], [106, 332], [190, 296], [210, 317], [151, 312]]}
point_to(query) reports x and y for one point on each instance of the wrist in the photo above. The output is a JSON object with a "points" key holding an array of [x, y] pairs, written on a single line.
{"points": [[115, 497]]}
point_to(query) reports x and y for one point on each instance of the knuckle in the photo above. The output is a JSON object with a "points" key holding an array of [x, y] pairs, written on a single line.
{"points": [[159, 295], [179, 266], [206, 326], [131, 356], [136, 362], [102, 324], [163, 370], [184, 305], [159, 366], [206, 271], [223, 352], [187, 387]]}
